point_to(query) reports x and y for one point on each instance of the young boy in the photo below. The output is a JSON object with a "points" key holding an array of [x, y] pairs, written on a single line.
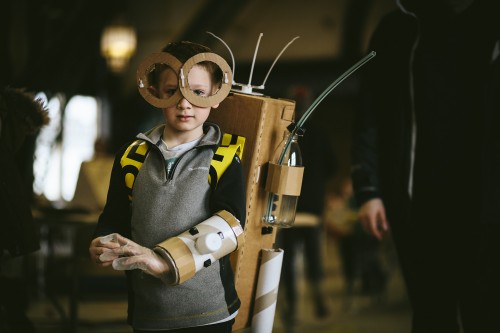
{"points": [[171, 194]]}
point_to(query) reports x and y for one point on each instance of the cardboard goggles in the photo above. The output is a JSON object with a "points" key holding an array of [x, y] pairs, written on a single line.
{"points": [[163, 60]]}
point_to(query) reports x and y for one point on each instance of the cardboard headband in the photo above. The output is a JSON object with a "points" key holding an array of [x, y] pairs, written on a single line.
{"points": [[148, 65]]}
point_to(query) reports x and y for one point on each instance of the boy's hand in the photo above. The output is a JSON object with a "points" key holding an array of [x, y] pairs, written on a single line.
{"points": [[100, 245], [130, 255]]}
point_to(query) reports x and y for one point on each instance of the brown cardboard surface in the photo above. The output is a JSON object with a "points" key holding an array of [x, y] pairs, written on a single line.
{"points": [[283, 179], [182, 258], [262, 120]]}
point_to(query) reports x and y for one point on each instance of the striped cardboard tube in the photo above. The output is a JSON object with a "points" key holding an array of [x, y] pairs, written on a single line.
{"points": [[266, 293]]}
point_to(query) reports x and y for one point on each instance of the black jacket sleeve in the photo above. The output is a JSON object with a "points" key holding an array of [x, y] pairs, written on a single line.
{"points": [[230, 193], [116, 214], [373, 116], [364, 170]]}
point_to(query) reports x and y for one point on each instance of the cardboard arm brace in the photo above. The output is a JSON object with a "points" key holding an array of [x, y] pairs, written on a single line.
{"points": [[201, 245]]}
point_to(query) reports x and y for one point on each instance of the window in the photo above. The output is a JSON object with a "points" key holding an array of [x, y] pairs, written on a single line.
{"points": [[62, 145]]}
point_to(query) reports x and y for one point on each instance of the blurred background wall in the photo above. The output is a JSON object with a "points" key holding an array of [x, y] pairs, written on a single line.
{"points": [[54, 47]]}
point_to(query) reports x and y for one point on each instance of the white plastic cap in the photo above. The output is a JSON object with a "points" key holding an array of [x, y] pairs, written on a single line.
{"points": [[208, 243]]}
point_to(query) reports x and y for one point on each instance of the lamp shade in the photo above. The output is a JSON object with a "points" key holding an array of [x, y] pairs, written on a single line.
{"points": [[118, 44]]}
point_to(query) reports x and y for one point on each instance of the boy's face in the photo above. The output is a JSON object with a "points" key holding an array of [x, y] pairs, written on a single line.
{"points": [[183, 117]]}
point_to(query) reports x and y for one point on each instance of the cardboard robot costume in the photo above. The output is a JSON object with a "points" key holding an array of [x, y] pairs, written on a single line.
{"points": [[261, 121]]}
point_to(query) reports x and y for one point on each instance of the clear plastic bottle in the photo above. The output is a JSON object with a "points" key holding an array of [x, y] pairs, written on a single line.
{"points": [[282, 201]]}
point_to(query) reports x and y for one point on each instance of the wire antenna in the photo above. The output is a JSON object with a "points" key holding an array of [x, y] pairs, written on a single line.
{"points": [[230, 52], [248, 88], [275, 60]]}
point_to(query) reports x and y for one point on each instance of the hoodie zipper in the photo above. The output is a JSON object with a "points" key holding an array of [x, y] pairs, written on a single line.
{"points": [[170, 176]]}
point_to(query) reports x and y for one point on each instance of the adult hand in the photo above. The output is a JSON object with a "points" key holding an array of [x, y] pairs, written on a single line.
{"points": [[130, 255], [372, 216], [100, 245]]}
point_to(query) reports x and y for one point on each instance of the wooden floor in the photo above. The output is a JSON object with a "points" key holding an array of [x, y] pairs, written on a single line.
{"points": [[388, 312]]}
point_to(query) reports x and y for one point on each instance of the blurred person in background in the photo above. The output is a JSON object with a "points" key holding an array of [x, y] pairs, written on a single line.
{"points": [[21, 116]]}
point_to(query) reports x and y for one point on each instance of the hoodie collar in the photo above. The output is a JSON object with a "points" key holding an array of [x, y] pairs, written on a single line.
{"points": [[212, 134]]}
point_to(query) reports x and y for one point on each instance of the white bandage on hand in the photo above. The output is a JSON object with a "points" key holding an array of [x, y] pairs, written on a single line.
{"points": [[134, 256], [108, 238]]}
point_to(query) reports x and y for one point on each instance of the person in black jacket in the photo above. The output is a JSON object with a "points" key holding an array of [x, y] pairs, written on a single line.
{"points": [[426, 157]]}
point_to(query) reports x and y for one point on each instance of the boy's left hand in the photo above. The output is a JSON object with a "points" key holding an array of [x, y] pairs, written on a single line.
{"points": [[134, 256]]}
